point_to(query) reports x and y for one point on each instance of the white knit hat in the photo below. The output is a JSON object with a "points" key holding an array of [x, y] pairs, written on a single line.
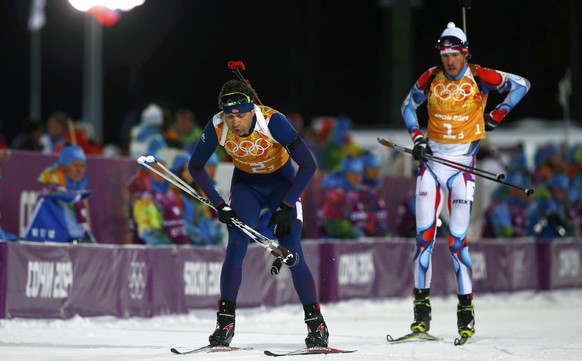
{"points": [[453, 40], [152, 115]]}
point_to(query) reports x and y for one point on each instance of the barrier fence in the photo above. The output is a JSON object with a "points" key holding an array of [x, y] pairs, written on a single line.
{"points": [[41, 280]]}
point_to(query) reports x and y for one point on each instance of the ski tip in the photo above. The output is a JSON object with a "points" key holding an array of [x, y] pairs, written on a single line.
{"points": [[413, 336], [336, 350], [175, 351]]}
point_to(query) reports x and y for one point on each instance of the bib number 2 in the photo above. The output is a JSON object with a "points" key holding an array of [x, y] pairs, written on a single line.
{"points": [[261, 168]]}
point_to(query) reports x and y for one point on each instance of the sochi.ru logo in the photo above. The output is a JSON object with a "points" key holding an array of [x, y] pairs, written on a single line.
{"points": [[49, 279], [356, 269], [137, 280]]}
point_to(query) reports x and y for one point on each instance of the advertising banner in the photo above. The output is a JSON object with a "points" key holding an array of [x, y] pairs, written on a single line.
{"points": [[560, 264], [60, 281], [50, 280], [39, 281], [376, 269], [3, 272], [502, 266]]}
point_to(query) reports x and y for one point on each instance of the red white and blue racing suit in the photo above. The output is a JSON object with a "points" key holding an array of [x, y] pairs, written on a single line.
{"points": [[455, 129]]}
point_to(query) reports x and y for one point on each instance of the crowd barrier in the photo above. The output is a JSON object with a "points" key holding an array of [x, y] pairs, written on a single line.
{"points": [[42, 280]]}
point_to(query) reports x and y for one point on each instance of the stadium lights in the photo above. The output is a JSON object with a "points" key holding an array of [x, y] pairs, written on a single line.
{"points": [[123, 5], [106, 13]]}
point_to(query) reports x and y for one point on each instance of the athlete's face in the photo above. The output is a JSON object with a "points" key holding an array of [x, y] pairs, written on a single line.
{"points": [[240, 123], [75, 171], [354, 179], [453, 63]]}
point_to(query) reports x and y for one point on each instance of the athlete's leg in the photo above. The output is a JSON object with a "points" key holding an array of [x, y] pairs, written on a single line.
{"points": [[428, 206], [460, 200], [247, 209], [317, 332], [300, 273]]}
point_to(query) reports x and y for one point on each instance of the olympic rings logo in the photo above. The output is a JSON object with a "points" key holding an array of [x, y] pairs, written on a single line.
{"points": [[137, 280], [247, 147], [455, 92]]}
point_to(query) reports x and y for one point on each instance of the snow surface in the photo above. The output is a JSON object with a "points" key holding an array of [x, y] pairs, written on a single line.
{"points": [[521, 326]]}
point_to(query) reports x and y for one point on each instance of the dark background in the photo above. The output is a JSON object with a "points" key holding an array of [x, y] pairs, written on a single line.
{"points": [[317, 57]]}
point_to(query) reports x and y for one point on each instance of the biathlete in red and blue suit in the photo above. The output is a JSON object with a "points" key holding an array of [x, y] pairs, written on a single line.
{"points": [[456, 94]]}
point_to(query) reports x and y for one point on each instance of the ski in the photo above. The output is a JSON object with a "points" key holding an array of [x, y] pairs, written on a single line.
{"points": [[413, 336], [209, 349], [308, 351], [462, 340]]}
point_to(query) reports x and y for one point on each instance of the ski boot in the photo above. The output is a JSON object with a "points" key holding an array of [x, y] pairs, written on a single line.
{"points": [[317, 333], [422, 310], [466, 316], [224, 331]]}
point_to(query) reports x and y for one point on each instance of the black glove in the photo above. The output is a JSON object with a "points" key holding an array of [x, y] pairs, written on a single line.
{"points": [[282, 220], [490, 123], [421, 149], [276, 266], [225, 213]]}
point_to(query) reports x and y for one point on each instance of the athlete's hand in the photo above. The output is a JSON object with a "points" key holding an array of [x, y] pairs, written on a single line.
{"points": [[282, 220], [490, 123], [421, 149], [225, 214]]}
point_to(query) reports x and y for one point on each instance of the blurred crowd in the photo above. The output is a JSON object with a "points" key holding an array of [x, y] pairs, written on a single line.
{"points": [[348, 188], [555, 209]]}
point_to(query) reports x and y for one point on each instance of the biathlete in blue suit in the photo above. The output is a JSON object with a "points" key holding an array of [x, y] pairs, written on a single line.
{"points": [[261, 142]]}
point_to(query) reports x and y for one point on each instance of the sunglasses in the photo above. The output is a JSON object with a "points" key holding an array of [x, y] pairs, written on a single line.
{"points": [[232, 99], [450, 41]]}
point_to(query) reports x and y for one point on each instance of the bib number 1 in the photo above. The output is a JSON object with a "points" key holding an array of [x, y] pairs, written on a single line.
{"points": [[449, 134]]}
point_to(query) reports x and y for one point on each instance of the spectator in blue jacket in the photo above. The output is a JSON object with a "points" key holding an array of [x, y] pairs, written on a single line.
{"points": [[61, 215], [147, 138]]}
